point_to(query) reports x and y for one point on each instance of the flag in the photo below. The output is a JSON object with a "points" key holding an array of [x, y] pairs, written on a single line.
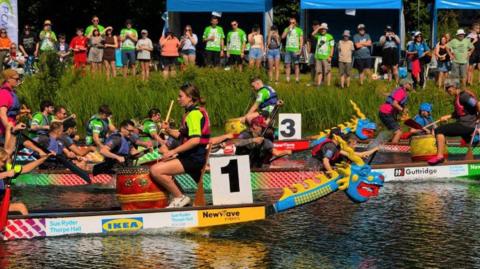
{"points": [[9, 18]]}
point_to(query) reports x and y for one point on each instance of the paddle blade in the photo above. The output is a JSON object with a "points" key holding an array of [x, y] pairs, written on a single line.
{"points": [[469, 155], [75, 169], [406, 136], [4, 209], [413, 124], [200, 195]]}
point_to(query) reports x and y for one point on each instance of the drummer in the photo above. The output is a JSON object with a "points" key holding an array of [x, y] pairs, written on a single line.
{"points": [[190, 156], [265, 102], [118, 145], [466, 109], [424, 118], [394, 105]]}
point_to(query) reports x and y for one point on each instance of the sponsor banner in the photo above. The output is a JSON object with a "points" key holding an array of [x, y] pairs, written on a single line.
{"points": [[425, 172], [124, 225], [24, 229], [9, 18], [292, 145], [184, 219], [80, 225], [474, 169], [213, 217]]}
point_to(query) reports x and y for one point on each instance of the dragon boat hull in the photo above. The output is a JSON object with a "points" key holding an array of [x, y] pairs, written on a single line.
{"points": [[107, 222], [271, 178]]}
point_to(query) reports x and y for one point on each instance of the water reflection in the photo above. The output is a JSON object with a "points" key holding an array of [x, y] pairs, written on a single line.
{"points": [[410, 225]]}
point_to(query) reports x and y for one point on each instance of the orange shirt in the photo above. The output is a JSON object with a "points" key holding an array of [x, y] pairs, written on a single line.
{"points": [[169, 46], [5, 43]]}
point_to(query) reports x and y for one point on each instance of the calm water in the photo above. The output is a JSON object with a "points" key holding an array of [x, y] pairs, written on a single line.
{"points": [[411, 225]]}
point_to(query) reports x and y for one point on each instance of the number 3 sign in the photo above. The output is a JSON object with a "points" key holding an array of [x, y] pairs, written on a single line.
{"points": [[289, 126], [231, 180]]}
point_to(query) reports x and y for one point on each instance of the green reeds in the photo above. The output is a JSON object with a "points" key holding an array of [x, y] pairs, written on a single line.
{"points": [[227, 93]]}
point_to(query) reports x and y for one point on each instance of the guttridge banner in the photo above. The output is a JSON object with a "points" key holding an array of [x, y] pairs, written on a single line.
{"points": [[9, 18]]}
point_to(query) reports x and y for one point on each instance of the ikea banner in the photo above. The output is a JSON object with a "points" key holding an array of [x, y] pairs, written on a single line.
{"points": [[9, 18]]}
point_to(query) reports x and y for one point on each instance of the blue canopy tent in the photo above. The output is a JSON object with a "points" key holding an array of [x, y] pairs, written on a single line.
{"points": [[450, 4], [347, 14], [236, 6]]}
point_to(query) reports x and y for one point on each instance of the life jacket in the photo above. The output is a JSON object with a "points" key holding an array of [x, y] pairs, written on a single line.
{"points": [[205, 134], [422, 120], [104, 131], [390, 98], [318, 147], [12, 111], [272, 100], [124, 148], [459, 108]]}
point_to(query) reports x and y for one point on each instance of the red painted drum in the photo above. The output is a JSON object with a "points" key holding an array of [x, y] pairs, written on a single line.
{"points": [[136, 190]]}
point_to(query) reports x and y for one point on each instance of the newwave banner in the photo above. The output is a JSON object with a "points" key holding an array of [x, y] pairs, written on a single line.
{"points": [[9, 18]]}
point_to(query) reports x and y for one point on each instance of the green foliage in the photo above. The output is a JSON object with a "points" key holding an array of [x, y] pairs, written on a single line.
{"points": [[448, 22], [50, 72], [228, 94], [283, 9], [418, 17]]}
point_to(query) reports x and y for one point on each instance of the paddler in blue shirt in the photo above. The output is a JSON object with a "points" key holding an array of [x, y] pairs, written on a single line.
{"points": [[424, 118], [118, 145]]}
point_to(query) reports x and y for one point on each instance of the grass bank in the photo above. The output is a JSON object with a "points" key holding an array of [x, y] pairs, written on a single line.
{"points": [[227, 94]]}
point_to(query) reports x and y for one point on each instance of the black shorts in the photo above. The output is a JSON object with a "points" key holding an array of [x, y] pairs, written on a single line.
{"points": [[212, 58], [390, 57], [235, 59], [456, 129], [169, 61], [474, 58], [362, 64], [389, 120], [192, 167]]}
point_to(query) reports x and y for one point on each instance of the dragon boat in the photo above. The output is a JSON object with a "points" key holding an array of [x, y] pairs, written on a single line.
{"points": [[143, 206]]}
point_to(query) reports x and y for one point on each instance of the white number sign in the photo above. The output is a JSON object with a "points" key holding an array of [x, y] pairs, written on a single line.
{"points": [[289, 126], [231, 180]]}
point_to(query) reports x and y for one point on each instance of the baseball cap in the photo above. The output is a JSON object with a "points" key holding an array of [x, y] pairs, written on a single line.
{"points": [[460, 32], [346, 33], [47, 22], [144, 31], [324, 26], [417, 33], [361, 26], [388, 28], [450, 82], [259, 121], [405, 81]]}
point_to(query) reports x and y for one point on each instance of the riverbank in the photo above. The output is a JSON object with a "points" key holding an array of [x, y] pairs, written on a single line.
{"points": [[227, 93]]}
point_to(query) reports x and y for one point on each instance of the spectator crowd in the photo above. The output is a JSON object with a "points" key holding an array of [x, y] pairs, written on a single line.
{"points": [[104, 49]]}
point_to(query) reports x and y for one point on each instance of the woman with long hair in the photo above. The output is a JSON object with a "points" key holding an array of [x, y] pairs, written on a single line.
{"points": [[274, 43], [111, 43], [190, 156], [443, 60]]}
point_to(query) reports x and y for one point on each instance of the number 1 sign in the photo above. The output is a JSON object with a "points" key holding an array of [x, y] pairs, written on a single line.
{"points": [[231, 180]]}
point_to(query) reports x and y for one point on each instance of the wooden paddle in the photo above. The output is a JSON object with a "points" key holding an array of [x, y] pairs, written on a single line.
{"points": [[167, 118], [63, 160], [200, 194], [413, 124], [469, 155]]}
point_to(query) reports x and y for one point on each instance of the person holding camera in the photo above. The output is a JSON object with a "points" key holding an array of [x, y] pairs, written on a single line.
{"points": [[389, 42], [188, 42], [170, 45]]}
